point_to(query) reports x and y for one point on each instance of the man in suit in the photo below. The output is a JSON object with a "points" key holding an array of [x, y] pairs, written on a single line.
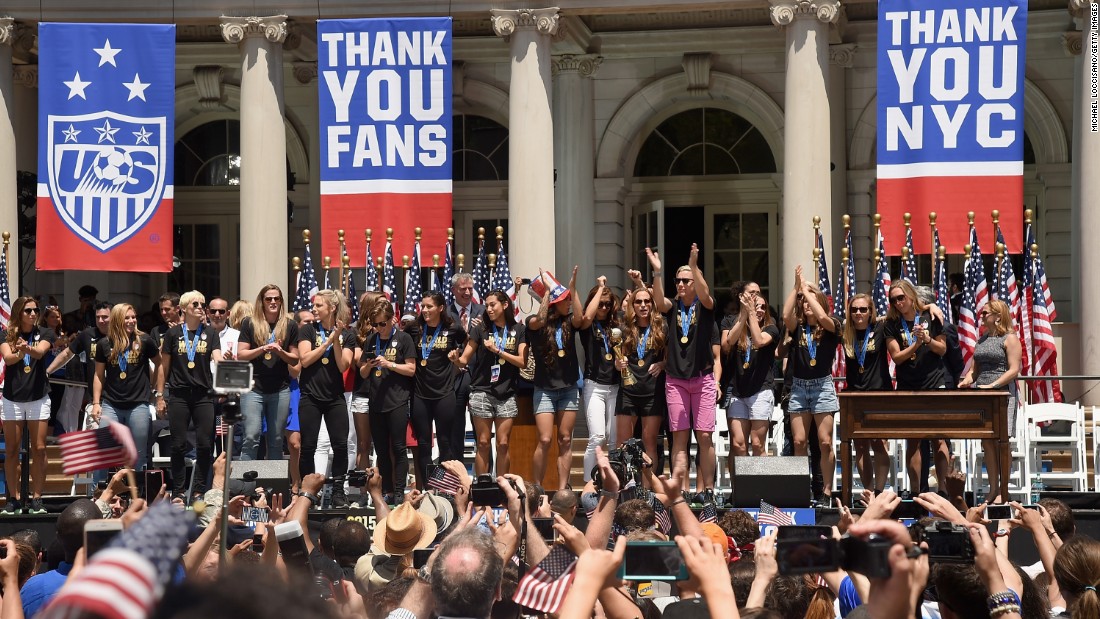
{"points": [[467, 314]]}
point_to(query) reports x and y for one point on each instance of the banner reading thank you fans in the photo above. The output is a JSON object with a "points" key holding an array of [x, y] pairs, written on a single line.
{"points": [[951, 118], [106, 113], [385, 109]]}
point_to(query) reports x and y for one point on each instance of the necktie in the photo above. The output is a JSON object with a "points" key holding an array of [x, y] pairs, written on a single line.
{"points": [[462, 317]]}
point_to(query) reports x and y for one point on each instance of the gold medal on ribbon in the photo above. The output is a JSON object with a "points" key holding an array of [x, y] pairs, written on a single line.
{"points": [[122, 375], [561, 353], [684, 340], [745, 365], [500, 360], [267, 356], [607, 357], [641, 363], [190, 365], [423, 362], [324, 361], [378, 372], [813, 362], [27, 370], [861, 369]]}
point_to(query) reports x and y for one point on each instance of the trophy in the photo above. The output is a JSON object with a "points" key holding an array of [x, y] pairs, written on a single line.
{"points": [[617, 342]]}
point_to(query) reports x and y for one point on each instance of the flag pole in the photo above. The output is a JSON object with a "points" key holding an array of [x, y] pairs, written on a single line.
{"points": [[7, 242], [379, 266], [908, 217], [435, 271], [932, 240], [328, 267], [904, 260], [878, 235], [345, 269], [845, 256], [1000, 246], [343, 263]]}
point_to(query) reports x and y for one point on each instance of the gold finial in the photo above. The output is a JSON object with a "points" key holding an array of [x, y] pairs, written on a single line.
{"points": [[1027, 216], [328, 262], [305, 236], [297, 262], [966, 249], [904, 252], [1000, 251], [435, 261], [878, 254], [460, 261], [389, 234], [932, 218], [844, 254], [817, 254], [367, 233], [1034, 250], [943, 252], [970, 218], [450, 234], [847, 219], [878, 219], [492, 261], [908, 217], [996, 217], [7, 238], [346, 261], [381, 263], [416, 233], [481, 234], [405, 261], [817, 222], [340, 235], [500, 233]]}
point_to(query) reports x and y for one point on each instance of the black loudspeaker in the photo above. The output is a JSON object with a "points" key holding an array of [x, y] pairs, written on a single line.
{"points": [[783, 481], [274, 474]]}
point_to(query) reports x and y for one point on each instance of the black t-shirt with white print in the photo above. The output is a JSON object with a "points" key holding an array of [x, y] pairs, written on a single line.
{"points": [[322, 380], [695, 357], [184, 373], [436, 379], [822, 343], [135, 388], [270, 375], [596, 341], [501, 381], [554, 371], [388, 390], [21, 385]]}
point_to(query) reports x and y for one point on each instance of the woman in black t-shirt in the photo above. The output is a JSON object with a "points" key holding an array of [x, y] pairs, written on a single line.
{"points": [[26, 401], [642, 395], [325, 350], [268, 339], [360, 401], [813, 395], [915, 339], [387, 365], [438, 341], [750, 344], [498, 350], [601, 380], [122, 386], [186, 352], [867, 369]]}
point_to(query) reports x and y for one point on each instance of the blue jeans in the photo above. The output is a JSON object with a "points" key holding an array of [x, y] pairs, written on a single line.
{"points": [[138, 419], [256, 408]]}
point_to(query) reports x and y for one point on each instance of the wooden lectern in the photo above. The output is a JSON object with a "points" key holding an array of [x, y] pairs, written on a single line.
{"points": [[944, 413]]}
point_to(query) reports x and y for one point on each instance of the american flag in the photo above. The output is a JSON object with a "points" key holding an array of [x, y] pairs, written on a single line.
{"points": [[307, 285], [880, 289], [943, 295], [448, 273], [1037, 260], [502, 278], [97, 448], [846, 277], [444, 481], [664, 523], [5, 302], [349, 286], [909, 266], [974, 298], [413, 290], [482, 278], [328, 286], [1045, 354], [770, 514], [127, 578], [389, 282], [1010, 294], [823, 273], [544, 587], [709, 513], [370, 281], [220, 427]]}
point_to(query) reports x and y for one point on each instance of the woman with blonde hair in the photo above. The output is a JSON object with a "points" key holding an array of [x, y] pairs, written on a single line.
{"points": [[645, 340], [750, 340], [865, 354], [238, 312], [187, 351], [601, 379], [917, 343], [268, 340], [120, 390], [326, 349], [26, 405], [813, 395], [997, 359], [360, 403]]}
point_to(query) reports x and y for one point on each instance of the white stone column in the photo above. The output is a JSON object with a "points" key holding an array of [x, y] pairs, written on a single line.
{"points": [[531, 221], [9, 204], [806, 152], [263, 150], [1086, 139], [574, 129]]}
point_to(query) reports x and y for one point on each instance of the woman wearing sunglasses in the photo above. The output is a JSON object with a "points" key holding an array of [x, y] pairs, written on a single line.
{"points": [[268, 340], [601, 379], [387, 365], [26, 401], [642, 396], [359, 407], [997, 359], [749, 345], [868, 369], [185, 361], [813, 396], [916, 342]]}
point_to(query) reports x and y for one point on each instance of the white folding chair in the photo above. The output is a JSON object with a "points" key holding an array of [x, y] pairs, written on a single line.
{"points": [[722, 441], [777, 434], [1073, 442]]}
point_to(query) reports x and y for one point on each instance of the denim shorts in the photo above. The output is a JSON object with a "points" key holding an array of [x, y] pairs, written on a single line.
{"points": [[757, 407], [554, 400], [813, 395]]}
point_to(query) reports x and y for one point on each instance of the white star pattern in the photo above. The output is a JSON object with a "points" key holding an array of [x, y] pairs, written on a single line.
{"points": [[71, 133], [106, 132], [137, 89], [142, 136], [107, 54], [76, 87]]}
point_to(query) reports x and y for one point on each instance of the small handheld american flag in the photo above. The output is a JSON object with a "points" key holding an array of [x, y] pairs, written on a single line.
{"points": [[444, 481], [97, 448], [770, 514], [544, 587], [709, 513]]}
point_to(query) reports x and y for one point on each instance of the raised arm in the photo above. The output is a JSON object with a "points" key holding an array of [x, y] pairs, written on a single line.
{"points": [[817, 310], [731, 336], [660, 302], [575, 301], [538, 320], [790, 317], [593, 305], [702, 290]]}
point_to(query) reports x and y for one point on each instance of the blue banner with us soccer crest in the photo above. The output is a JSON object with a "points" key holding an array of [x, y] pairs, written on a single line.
{"points": [[106, 113]]}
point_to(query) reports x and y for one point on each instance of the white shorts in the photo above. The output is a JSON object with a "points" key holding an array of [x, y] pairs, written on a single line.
{"points": [[38, 410], [359, 405], [757, 407]]}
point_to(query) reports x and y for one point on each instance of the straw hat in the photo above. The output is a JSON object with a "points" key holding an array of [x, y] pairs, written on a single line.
{"points": [[375, 569], [438, 509], [404, 530]]}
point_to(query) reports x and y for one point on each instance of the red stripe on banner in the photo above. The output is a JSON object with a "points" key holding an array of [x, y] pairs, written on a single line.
{"points": [[148, 250], [951, 197], [354, 213]]}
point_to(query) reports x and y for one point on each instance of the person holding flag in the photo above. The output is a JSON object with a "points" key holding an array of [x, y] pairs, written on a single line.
{"points": [[867, 369], [269, 340], [813, 396], [185, 367], [26, 406]]}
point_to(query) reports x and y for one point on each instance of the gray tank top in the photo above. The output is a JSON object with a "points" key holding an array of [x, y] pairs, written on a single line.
{"points": [[991, 357]]}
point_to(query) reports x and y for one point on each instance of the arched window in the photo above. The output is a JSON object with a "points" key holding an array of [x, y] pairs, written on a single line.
{"points": [[704, 141], [480, 149], [210, 155]]}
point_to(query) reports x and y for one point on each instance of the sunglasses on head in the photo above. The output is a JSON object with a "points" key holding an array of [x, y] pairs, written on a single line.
{"points": [[860, 310], [898, 299], [684, 280], [30, 310], [217, 312]]}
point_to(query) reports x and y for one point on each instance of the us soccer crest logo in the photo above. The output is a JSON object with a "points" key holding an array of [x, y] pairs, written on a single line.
{"points": [[106, 173]]}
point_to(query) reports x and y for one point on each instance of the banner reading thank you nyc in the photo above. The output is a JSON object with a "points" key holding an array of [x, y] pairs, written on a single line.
{"points": [[951, 118], [385, 109], [106, 114]]}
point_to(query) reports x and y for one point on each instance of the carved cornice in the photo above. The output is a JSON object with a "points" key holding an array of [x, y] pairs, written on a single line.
{"points": [[25, 75], [237, 29], [1071, 43], [7, 30], [842, 55], [505, 22], [305, 72], [784, 12], [586, 65], [697, 68]]}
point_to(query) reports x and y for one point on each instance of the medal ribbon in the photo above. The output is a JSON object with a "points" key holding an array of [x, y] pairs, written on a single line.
{"points": [[558, 336], [501, 339], [643, 339], [905, 329], [811, 345], [425, 345], [861, 353], [321, 332], [603, 336], [192, 342], [27, 357], [685, 317], [748, 349], [122, 359]]}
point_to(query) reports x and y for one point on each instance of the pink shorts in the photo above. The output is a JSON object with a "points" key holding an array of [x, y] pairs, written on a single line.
{"points": [[691, 402]]}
